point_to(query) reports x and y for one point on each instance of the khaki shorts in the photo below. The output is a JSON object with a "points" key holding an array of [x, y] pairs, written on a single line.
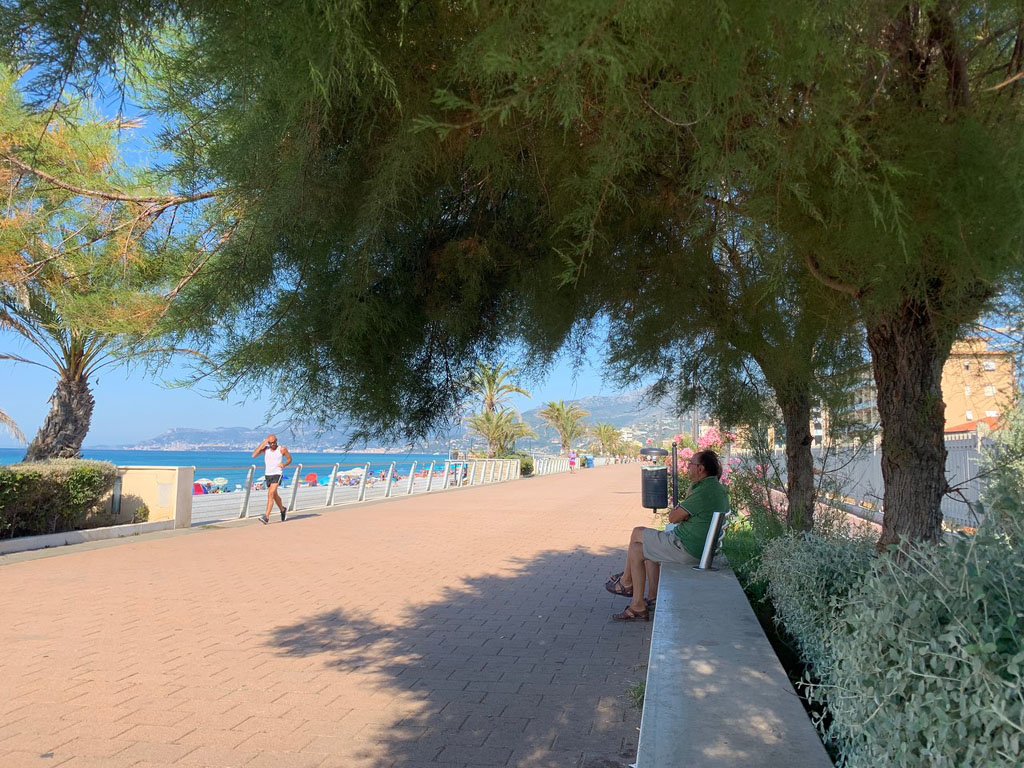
{"points": [[666, 548]]}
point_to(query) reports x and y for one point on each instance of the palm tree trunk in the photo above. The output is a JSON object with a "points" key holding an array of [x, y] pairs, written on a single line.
{"points": [[66, 424]]}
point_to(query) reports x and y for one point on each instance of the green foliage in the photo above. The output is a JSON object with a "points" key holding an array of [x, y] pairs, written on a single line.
{"points": [[927, 661], [1003, 464], [501, 429], [566, 420], [806, 575], [635, 694], [53, 496], [525, 462], [750, 489]]}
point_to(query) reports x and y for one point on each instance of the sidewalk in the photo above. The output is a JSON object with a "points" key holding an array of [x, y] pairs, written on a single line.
{"points": [[457, 629]]}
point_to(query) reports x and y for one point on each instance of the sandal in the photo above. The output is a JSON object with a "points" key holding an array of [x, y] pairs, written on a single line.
{"points": [[616, 576], [650, 602], [615, 587], [630, 615]]}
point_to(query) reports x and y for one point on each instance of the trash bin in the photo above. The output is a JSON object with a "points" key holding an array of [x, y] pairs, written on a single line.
{"points": [[590, 462], [654, 487]]}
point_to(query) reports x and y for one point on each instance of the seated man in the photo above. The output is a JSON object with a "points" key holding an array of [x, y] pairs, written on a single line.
{"points": [[682, 545]]}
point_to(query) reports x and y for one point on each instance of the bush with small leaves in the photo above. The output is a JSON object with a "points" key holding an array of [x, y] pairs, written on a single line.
{"points": [[52, 496], [807, 574], [928, 659]]}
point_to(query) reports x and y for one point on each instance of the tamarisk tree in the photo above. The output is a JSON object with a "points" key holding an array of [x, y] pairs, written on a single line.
{"points": [[418, 185]]}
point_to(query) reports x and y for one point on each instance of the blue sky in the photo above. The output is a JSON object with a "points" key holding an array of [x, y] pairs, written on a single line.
{"points": [[132, 405]]}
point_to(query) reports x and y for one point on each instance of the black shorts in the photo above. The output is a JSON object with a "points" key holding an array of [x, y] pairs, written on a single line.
{"points": [[272, 480]]}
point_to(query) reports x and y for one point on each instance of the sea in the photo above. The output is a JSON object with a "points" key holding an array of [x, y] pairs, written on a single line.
{"points": [[228, 469]]}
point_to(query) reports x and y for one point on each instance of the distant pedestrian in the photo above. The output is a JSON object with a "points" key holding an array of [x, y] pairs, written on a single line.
{"points": [[276, 458], [572, 461]]}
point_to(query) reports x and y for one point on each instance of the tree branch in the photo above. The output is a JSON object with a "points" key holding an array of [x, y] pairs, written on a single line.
{"points": [[164, 201], [831, 282]]}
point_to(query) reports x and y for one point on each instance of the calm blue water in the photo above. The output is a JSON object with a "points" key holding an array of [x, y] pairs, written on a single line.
{"points": [[233, 466]]}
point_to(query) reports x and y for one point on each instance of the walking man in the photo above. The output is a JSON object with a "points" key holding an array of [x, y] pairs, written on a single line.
{"points": [[276, 458]]}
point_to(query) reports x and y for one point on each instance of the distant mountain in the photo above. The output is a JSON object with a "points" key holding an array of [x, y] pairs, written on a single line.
{"points": [[627, 410], [622, 410], [238, 438]]}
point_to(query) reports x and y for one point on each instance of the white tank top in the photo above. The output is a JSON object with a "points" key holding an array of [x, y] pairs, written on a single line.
{"points": [[272, 459]]}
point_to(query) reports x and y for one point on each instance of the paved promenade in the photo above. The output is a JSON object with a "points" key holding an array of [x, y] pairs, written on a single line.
{"points": [[463, 628]]}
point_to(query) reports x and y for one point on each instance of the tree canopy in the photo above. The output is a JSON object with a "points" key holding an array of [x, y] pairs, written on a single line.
{"points": [[409, 188]]}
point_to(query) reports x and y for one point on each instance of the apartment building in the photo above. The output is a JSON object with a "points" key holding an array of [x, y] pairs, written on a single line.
{"points": [[978, 382]]}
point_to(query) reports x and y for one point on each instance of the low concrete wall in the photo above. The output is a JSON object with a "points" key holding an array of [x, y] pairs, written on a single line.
{"points": [[26, 543], [716, 694], [165, 491]]}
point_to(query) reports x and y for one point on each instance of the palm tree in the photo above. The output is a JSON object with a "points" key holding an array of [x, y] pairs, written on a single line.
{"points": [[9, 424], [605, 437], [500, 429], [566, 420], [73, 355], [490, 383]]}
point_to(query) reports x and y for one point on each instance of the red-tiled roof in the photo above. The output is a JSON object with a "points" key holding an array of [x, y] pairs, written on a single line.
{"points": [[970, 426]]}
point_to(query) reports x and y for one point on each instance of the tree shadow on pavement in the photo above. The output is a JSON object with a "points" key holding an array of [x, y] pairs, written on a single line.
{"points": [[520, 669]]}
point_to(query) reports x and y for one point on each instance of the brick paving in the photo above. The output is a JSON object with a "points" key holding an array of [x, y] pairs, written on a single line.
{"points": [[466, 628]]}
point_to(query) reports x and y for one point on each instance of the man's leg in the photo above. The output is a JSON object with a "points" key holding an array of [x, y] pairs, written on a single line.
{"points": [[277, 499], [637, 536], [635, 559], [271, 495], [653, 575]]}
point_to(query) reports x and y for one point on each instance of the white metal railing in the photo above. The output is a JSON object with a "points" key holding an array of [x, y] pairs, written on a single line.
{"points": [[302, 487], [550, 465]]}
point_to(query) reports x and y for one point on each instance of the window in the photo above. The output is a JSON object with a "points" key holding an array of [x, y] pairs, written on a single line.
{"points": [[990, 365], [991, 413], [970, 415], [990, 391], [967, 391]]}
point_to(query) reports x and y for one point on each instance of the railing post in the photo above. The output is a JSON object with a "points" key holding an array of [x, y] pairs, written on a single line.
{"points": [[295, 488], [330, 491], [430, 476], [362, 484], [412, 477], [244, 510], [444, 475], [391, 479], [494, 468]]}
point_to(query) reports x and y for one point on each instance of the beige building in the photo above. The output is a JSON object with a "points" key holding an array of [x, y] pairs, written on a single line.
{"points": [[977, 383]]}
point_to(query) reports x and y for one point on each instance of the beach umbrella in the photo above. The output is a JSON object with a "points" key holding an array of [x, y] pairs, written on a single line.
{"points": [[220, 481], [354, 471], [204, 481]]}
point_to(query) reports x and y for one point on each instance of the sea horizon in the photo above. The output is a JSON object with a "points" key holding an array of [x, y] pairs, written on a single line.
{"points": [[233, 465]]}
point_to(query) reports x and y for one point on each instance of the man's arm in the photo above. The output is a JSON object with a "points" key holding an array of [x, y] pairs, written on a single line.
{"points": [[678, 514], [287, 457], [260, 449]]}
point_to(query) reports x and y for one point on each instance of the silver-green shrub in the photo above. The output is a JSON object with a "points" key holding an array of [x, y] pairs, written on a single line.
{"points": [[807, 574], [926, 659]]}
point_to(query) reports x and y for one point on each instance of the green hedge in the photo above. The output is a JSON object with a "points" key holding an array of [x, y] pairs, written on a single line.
{"points": [[918, 662], [928, 659], [807, 574], [525, 460], [53, 496]]}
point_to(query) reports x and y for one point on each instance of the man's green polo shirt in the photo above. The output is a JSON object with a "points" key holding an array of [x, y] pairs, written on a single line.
{"points": [[704, 498]]}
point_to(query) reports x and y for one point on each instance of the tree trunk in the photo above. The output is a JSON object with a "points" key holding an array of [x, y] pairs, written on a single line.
{"points": [[796, 415], [909, 351], [66, 424]]}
